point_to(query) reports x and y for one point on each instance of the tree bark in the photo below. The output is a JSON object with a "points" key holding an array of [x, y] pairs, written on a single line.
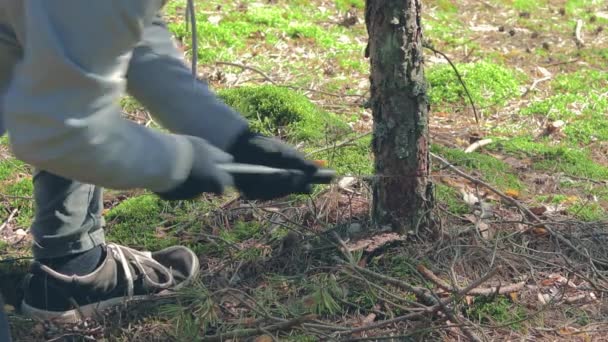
{"points": [[402, 191]]}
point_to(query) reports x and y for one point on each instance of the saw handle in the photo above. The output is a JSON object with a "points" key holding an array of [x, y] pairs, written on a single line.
{"points": [[322, 176]]}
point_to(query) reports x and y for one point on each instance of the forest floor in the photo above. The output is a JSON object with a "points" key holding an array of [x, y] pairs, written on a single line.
{"points": [[523, 215]]}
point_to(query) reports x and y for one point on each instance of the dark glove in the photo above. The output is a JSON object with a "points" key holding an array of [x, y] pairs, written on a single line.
{"points": [[205, 176], [252, 148]]}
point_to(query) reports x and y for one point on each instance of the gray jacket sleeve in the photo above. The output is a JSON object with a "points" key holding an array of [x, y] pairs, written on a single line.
{"points": [[61, 110], [159, 78]]}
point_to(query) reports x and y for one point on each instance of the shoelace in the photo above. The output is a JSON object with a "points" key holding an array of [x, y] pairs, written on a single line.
{"points": [[124, 254]]}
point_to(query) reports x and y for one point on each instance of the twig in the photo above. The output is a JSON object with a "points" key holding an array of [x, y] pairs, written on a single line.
{"points": [[257, 331], [267, 78], [5, 196], [422, 293], [247, 67], [562, 62], [519, 206], [466, 89], [577, 34], [534, 84], [427, 311], [9, 219], [475, 292], [468, 333], [340, 144]]}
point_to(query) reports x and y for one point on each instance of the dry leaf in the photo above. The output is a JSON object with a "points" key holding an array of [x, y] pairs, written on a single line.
{"points": [[568, 331], [369, 319], [538, 210], [264, 338], [469, 198], [541, 298], [540, 231], [484, 230], [346, 182], [214, 19], [514, 296], [514, 193], [320, 163], [308, 302], [544, 72]]}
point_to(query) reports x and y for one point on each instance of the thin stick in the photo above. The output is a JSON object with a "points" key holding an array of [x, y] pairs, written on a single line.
{"points": [[428, 46], [474, 292], [267, 78], [418, 291], [247, 67], [577, 33], [534, 84], [4, 196], [340, 144], [258, 331], [9, 219], [428, 310]]}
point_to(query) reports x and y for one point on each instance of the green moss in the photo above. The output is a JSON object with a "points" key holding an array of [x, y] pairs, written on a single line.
{"points": [[589, 212], [553, 199], [496, 311], [581, 82], [22, 190], [491, 169], [451, 199], [10, 167], [282, 112], [489, 83], [590, 129], [527, 5], [554, 158], [134, 222], [344, 5], [355, 159], [440, 27], [241, 231]]}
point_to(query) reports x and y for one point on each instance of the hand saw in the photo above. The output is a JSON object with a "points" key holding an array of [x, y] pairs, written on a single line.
{"points": [[322, 176]]}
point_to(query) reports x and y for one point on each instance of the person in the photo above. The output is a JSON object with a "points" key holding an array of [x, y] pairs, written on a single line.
{"points": [[64, 64]]}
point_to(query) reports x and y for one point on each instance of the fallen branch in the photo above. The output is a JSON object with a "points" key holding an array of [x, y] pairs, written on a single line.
{"points": [[478, 144], [533, 217], [490, 291], [259, 331], [427, 311]]}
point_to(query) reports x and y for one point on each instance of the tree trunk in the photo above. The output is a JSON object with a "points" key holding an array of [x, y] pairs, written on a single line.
{"points": [[402, 191]]}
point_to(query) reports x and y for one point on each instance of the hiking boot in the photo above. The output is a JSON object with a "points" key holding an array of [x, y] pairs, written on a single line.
{"points": [[124, 275]]}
